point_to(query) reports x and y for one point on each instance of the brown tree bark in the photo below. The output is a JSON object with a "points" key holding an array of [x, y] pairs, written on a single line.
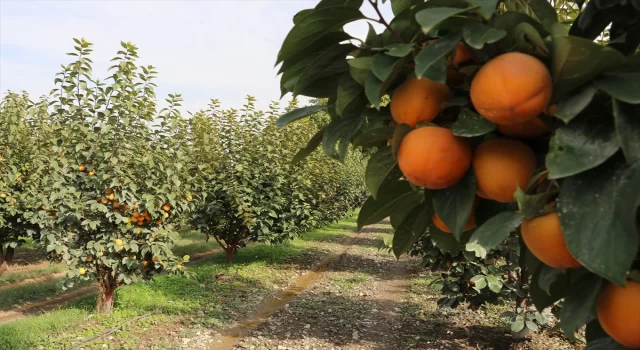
{"points": [[6, 257], [106, 293]]}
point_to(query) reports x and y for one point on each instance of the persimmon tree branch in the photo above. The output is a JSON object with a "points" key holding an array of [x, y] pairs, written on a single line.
{"points": [[381, 20]]}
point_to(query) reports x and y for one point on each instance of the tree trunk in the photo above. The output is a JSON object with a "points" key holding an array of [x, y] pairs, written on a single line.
{"points": [[522, 281], [6, 257], [107, 287], [229, 254], [229, 250]]}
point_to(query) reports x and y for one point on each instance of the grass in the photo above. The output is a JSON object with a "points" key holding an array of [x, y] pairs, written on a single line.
{"points": [[216, 294], [18, 275], [347, 283]]}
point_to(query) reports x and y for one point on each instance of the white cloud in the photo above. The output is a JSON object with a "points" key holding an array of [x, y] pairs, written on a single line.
{"points": [[203, 49]]}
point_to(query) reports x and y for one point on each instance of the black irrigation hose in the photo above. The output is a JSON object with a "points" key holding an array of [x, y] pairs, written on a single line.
{"points": [[110, 331]]}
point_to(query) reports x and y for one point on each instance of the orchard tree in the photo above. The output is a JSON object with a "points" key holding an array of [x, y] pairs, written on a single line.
{"points": [[507, 124], [249, 189], [115, 182], [20, 123]]}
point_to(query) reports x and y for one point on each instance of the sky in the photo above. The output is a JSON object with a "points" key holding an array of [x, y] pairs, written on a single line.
{"points": [[203, 49]]}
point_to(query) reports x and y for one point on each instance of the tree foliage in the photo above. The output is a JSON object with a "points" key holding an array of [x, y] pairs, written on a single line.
{"points": [[251, 190]]}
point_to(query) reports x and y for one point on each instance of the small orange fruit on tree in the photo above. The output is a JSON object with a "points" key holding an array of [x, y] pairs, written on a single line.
{"points": [[418, 100], [434, 158], [619, 313], [544, 239], [511, 88], [501, 166]]}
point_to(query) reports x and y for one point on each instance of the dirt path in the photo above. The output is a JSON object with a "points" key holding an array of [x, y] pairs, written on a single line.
{"points": [[355, 303]]}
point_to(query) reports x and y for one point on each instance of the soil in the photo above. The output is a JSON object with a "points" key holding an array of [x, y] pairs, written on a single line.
{"points": [[363, 299]]}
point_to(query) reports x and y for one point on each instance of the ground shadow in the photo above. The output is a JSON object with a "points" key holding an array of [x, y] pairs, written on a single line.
{"points": [[334, 319]]}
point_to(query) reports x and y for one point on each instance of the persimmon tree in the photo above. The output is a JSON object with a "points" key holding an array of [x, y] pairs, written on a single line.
{"points": [[115, 179], [249, 189], [20, 182], [511, 124]]}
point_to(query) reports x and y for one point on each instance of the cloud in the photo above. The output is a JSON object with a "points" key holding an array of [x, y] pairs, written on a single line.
{"points": [[202, 49]]}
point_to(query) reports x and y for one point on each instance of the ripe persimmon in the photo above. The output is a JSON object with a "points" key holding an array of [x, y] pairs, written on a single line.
{"points": [[166, 207], [544, 237], [619, 313], [511, 88], [82, 168], [500, 166], [418, 100], [462, 54], [433, 157]]}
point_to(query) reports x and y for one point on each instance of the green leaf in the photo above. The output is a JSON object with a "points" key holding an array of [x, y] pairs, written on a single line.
{"points": [[443, 240], [395, 196], [325, 70], [360, 68], [527, 39], [373, 39], [410, 230], [470, 124], [311, 146], [303, 58], [313, 26], [507, 21], [398, 216], [398, 50], [401, 131], [372, 89], [382, 65], [576, 61], [431, 17], [556, 286], [495, 230], [517, 326], [397, 6], [298, 16], [480, 282], [486, 8], [476, 34], [597, 208], [549, 276], [545, 12], [627, 121], [338, 133], [494, 283], [530, 205], [434, 53], [351, 97], [374, 136], [454, 204], [623, 86], [297, 114], [578, 304], [380, 166], [570, 106], [581, 145]]}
